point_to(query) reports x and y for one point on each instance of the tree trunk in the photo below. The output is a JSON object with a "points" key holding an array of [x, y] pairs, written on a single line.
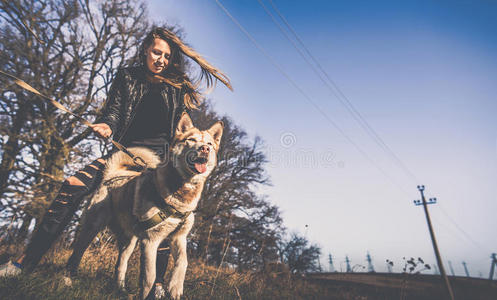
{"points": [[23, 231], [12, 147], [52, 165]]}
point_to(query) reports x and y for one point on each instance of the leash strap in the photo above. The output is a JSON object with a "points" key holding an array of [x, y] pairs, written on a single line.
{"points": [[136, 159]]}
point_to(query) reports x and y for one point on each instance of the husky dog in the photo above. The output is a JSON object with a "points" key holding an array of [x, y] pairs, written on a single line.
{"points": [[153, 205]]}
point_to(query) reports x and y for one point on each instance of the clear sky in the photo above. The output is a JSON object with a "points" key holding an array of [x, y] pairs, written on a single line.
{"points": [[423, 74]]}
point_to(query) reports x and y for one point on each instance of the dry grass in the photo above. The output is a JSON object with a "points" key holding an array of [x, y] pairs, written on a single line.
{"points": [[95, 281]]}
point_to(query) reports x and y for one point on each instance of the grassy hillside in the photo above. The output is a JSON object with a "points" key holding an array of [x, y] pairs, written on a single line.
{"points": [[95, 281], [410, 286]]}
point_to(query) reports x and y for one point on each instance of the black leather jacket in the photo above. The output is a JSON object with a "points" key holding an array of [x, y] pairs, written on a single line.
{"points": [[127, 90]]}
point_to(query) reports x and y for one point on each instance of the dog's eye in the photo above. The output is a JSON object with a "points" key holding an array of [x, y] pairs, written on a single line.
{"points": [[210, 144], [191, 139]]}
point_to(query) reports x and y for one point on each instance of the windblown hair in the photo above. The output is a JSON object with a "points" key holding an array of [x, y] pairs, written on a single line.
{"points": [[175, 73]]}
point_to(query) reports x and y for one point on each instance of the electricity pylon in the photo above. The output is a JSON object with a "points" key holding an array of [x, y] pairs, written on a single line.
{"points": [[330, 261], [492, 266], [465, 268], [349, 269], [451, 269], [370, 263], [435, 270]]}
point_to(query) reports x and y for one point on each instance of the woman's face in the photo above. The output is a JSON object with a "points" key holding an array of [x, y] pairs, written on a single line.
{"points": [[157, 55]]}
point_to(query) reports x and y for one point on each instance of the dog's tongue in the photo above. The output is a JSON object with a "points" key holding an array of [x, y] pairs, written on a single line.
{"points": [[201, 168]]}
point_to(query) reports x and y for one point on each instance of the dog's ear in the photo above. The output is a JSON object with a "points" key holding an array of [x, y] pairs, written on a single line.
{"points": [[216, 131], [184, 124]]}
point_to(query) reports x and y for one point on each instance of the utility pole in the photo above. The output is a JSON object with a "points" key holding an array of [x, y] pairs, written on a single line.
{"points": [[451, 269], [492, 266], [465, 268], [330, 260], [349, 269], [370, 263], [423, 202]]}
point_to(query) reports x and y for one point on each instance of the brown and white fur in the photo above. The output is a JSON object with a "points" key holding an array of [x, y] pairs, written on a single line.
{"points": [[179, 182]]}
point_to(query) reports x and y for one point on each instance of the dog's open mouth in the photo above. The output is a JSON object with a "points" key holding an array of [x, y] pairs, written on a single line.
{"points": [[199, 165]]}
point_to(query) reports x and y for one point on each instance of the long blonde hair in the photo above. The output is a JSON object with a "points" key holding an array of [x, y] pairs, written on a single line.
{"points": [[175, 74]]}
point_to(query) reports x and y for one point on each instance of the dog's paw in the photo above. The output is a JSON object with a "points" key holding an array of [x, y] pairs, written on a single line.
{"points": [[175, 290], [121, 285], [159, 292]]}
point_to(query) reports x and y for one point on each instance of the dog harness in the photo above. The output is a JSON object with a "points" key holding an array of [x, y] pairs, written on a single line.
{"points": [[165, 210], [161, 216]]}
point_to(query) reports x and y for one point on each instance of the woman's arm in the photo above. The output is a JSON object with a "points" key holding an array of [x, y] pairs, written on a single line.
{"points": [[111, 113]]}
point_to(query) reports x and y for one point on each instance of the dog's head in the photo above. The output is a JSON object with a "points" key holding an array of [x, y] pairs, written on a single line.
{"points": [[194, 151]]}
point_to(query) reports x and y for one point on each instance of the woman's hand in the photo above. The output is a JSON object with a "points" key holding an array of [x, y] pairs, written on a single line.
{"points": [[102, 130]]}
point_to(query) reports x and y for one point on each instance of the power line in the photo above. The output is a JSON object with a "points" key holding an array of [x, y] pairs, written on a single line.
{"points": [[338, 94], [301, 91], [466, 235], [336, 91], [454, 233], [462, 231]]}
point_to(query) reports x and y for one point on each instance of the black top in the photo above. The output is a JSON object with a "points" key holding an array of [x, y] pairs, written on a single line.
{"points": [[128, 91], [150, 126]]}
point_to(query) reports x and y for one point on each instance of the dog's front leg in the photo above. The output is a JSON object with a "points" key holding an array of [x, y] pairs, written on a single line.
{"points": [[147, 265], [126, 247], [178, 250]]}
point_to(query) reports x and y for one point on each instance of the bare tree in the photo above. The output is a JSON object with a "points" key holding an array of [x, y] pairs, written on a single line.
{"points": [[69, 50], [299, 255]]}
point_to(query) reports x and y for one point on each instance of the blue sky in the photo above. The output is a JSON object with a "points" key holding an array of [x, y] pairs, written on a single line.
{"points": [[424, 76]]}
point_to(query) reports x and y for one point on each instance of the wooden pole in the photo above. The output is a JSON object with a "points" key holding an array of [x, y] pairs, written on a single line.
{"points": [[423, 202]]}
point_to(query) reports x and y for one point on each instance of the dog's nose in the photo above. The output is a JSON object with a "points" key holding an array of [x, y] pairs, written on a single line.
{"points": [[204, 149]]}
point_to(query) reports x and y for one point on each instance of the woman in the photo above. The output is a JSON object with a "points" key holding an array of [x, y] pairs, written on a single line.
{"points": [[143, 107]]}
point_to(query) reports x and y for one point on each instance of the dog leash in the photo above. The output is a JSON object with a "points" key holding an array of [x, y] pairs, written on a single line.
{"points": [[136, 159]]}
